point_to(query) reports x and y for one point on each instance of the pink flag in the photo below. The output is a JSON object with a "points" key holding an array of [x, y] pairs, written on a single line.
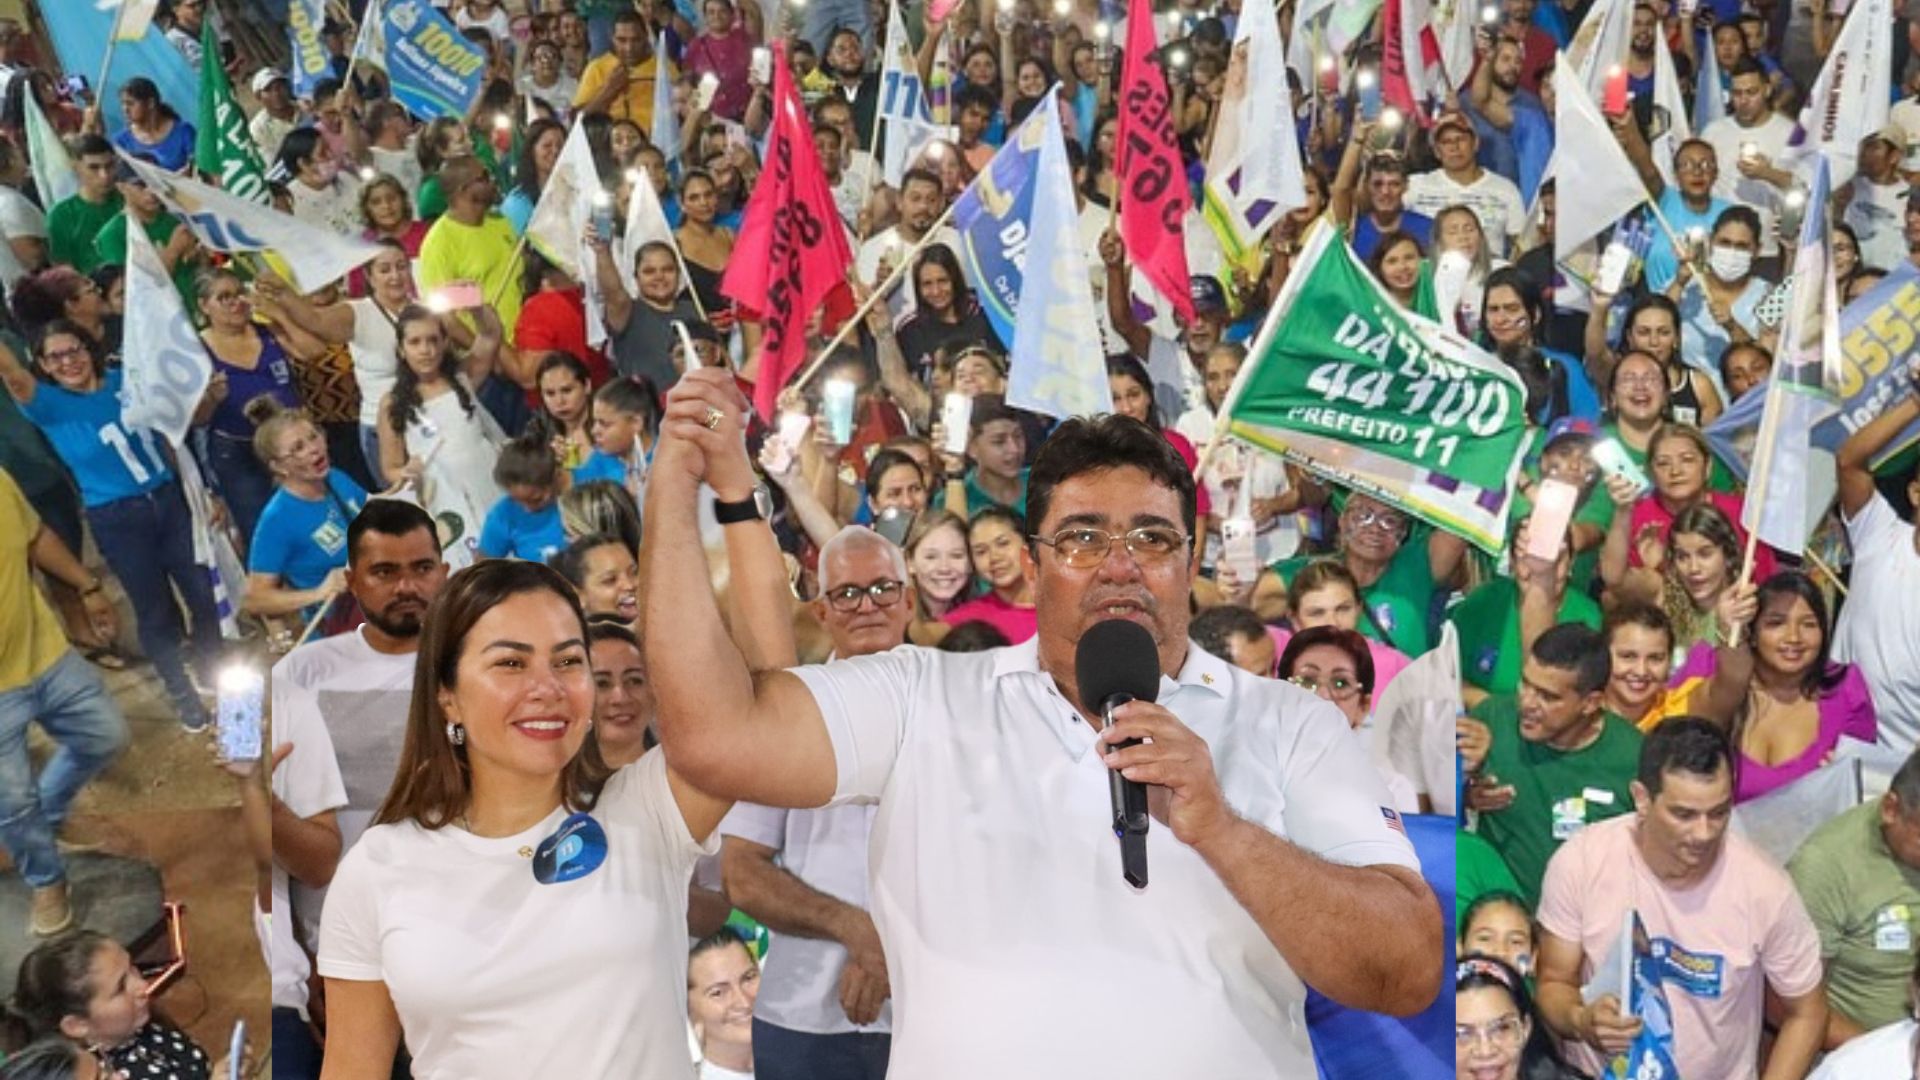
{"points": [[792, 251], [1410, 71], [1154, 200]]}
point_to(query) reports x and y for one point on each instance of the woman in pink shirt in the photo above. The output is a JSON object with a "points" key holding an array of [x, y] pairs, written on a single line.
{"points": [[1679, 463], [996, 540], [1785, 703], [725, 51]]}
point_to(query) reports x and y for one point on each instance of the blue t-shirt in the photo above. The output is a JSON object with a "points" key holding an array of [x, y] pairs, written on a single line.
{"points": [[173, 153], [513, 530], [600, 465], [1366, 235], [300, 541], [109, 460], [1661, 263], [517, 208]]}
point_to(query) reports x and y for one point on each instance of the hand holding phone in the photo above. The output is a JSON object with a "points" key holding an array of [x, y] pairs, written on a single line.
{"points": [[1553, 506], [956, 414], [238, 712]]}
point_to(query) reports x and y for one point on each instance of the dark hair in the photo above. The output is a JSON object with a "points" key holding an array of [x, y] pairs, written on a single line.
{"points": [[1523, 285], [942, 256], [433, 783], [544, 422], [1080, 445], [388, 517], [1578, 648], [1635, 613], [994, 512], [571, 561], [1389, 240], [987, 409], [1823, 675], [1740, 347], [56, 981], [1317, 575], [601, 506], [1746, 65], [977, 97], [1496, 898], [1906, 785], [298, 146], [1685, 744], [88, 145], [526, 175], [609, 628], [1536, 377], [631, 394], [52, 1058], [526, 461], [1213, 628], [406, 383], [1128, 367], [973, 636], [726, 937], [1347, 641], [922, 176], [1540, 1057], [1739, 215], [42, 298], [1650, 302], [883, 462]]}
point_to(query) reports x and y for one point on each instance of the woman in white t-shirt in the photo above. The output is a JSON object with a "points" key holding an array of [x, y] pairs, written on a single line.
{"points": [[515, 910], [723, 980], [434, 430], [325, 192]]}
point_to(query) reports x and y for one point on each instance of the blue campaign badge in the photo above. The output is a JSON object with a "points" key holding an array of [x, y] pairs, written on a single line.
{"points": [[1383, 614], [576, 849], [1486, 658]]}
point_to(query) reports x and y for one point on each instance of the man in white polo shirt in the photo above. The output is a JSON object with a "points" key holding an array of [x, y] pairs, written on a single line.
{"points": [[1460, 181], [1013, 945], [822, 1008]]}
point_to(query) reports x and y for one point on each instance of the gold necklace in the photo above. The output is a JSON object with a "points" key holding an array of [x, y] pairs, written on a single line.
{"points": [[524, 852]]}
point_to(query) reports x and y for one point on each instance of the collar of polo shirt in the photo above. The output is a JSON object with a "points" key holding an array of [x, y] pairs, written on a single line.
{"points": [[1201, 671]]}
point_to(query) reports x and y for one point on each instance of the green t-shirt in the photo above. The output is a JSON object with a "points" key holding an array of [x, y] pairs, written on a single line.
{"points": [[1866, 906], [1477, 871], [1719, 477], [72, 226], [1489, 624], [1397, 606], [977, 497], [1596, 509], [1555, 793], [111, 249]]}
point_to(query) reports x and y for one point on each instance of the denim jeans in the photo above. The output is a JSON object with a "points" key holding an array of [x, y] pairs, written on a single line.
{"points": [[244, 483], [73, 707], [823, 17], [148, 541], [784, 1054], [370, 453]]}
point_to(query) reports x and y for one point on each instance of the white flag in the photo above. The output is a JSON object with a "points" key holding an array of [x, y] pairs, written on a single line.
{"points": [[665, 135], [1852, 97], [1602, 184], [213, 549], [557, 229], [1709, 99], [131, 19], [1253, 169], [166, 366], [1307, 39], [1413, 720], [907, 122], [646, 224], [1056, 366], [1668, 100], [1600, 44], [370, 45], [53, 175], [223, 222]]}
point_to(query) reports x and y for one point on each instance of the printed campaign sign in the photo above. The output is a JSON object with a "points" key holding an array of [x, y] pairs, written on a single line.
{"points": [[1878, 336], [434, 70], [310, 60]]}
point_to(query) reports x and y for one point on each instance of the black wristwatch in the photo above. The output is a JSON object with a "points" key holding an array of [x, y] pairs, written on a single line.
{"points": [[758, 507]]}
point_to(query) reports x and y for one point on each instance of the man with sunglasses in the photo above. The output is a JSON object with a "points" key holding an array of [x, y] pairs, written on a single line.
{"points": [[1013, 943], [822, 1008]]}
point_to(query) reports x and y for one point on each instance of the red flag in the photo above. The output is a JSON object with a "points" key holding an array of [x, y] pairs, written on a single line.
{"points": [[1155, 200], [792, 251], [1409, 58]]}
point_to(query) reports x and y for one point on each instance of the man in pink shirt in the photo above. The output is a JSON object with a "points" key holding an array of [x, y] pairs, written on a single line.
{"points": [[1724, 915]]}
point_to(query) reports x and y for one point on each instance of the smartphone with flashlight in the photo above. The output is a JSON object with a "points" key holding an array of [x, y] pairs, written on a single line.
{"points": [[1370, 102], [837, 404], [457, 296], [956, 413], [761, 67], [1612, 460], [1553, 505], [893, 523], [1239, 549], [237, 713], [237, 1051], [603, 217]]}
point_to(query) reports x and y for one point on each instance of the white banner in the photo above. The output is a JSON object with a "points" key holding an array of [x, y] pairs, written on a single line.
{"points": [[167, 369]]}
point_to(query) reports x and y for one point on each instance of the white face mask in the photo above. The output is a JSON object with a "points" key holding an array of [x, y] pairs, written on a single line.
{"points": [[1729, 264]]}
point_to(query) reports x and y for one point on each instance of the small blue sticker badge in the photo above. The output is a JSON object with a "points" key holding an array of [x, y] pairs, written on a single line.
{"points": [[1485, 660], [576, 849], [1383, 614]]}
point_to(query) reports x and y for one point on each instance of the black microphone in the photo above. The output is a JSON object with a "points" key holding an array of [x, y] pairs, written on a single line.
{"points": [[1117, 662]]}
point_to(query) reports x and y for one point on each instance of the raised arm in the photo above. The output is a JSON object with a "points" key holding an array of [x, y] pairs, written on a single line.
{"points": [[1600, 358], [331, 323], [1132, 331], [613, 291], [725, 729], [1720, 698], [899, 383], [19, 381], [1856, 478], [1614, 549]]}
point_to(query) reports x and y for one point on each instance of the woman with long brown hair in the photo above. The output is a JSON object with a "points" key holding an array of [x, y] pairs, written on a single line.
{"points": [[511, 886]]}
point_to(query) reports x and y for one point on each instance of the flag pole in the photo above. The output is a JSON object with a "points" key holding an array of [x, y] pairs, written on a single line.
{"points": [[1821, 565], [106, 63], [878, 294]]}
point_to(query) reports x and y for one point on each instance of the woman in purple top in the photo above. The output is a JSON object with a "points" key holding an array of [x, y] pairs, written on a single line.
{"points": [[725, 50], [1786, 703], [248, 362]]}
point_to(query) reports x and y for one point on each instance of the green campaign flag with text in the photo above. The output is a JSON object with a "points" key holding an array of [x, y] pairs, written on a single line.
{"points": [[223, 147], [1346, 383]]}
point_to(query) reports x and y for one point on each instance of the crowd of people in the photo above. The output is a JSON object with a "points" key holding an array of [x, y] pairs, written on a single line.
{"points": [[533, 515]]}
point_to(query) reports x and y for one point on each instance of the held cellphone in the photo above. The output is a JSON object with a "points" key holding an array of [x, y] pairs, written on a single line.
{"points": [[603, 217], [1238, 549], [785, 442], [1369, 84], [1614, 264], [1612, 460], [760, 69], [893, 523], [1553, 506], [837, 404], [1616, 99], [237, 1051], [237, 713], [956, 414], [459, 295]]}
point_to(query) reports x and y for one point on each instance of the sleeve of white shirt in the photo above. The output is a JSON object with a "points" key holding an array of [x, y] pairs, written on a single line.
{"points": [[763, 825], [309, 780], [1516, 211], [350, 921], [20, 218], [1874, 526], [1334, 796], [864, 702], [640, 793]]}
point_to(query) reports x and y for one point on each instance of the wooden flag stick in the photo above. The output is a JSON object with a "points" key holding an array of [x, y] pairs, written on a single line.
{"points": [[874, 297]]}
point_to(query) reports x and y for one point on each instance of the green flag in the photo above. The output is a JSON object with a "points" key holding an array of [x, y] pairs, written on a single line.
{"points": [[223, 147], [1346, 383]]}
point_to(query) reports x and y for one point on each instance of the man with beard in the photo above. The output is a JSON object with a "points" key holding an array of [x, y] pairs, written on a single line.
{"points": [[1516, 135], [822, 1009], [1549, 761], [1749, 142], [845, 60], [339, 718], [922, 199]]}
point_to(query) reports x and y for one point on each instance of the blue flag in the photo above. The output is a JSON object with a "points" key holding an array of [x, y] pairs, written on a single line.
{"points": [[81, 33], [1056, 365], [993, 217], [435, 71], [310, 60]]}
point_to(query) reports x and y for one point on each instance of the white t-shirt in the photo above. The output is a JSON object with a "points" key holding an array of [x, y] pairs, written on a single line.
{"points": [[335, 207], [710, 1071], [995, 877], [892, 247], [826, 849], [18, 218], [1492, 198], [268, 131], [376, 356], [496, 25], [358, 698], [309, 783], [400, 164], [1878, 214], [1770, 138], [1879, 627], [495, 975], [1883, 1052]]}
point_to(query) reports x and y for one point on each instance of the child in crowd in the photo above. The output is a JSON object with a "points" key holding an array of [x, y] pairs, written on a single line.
{"points": [[525, 524]]}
